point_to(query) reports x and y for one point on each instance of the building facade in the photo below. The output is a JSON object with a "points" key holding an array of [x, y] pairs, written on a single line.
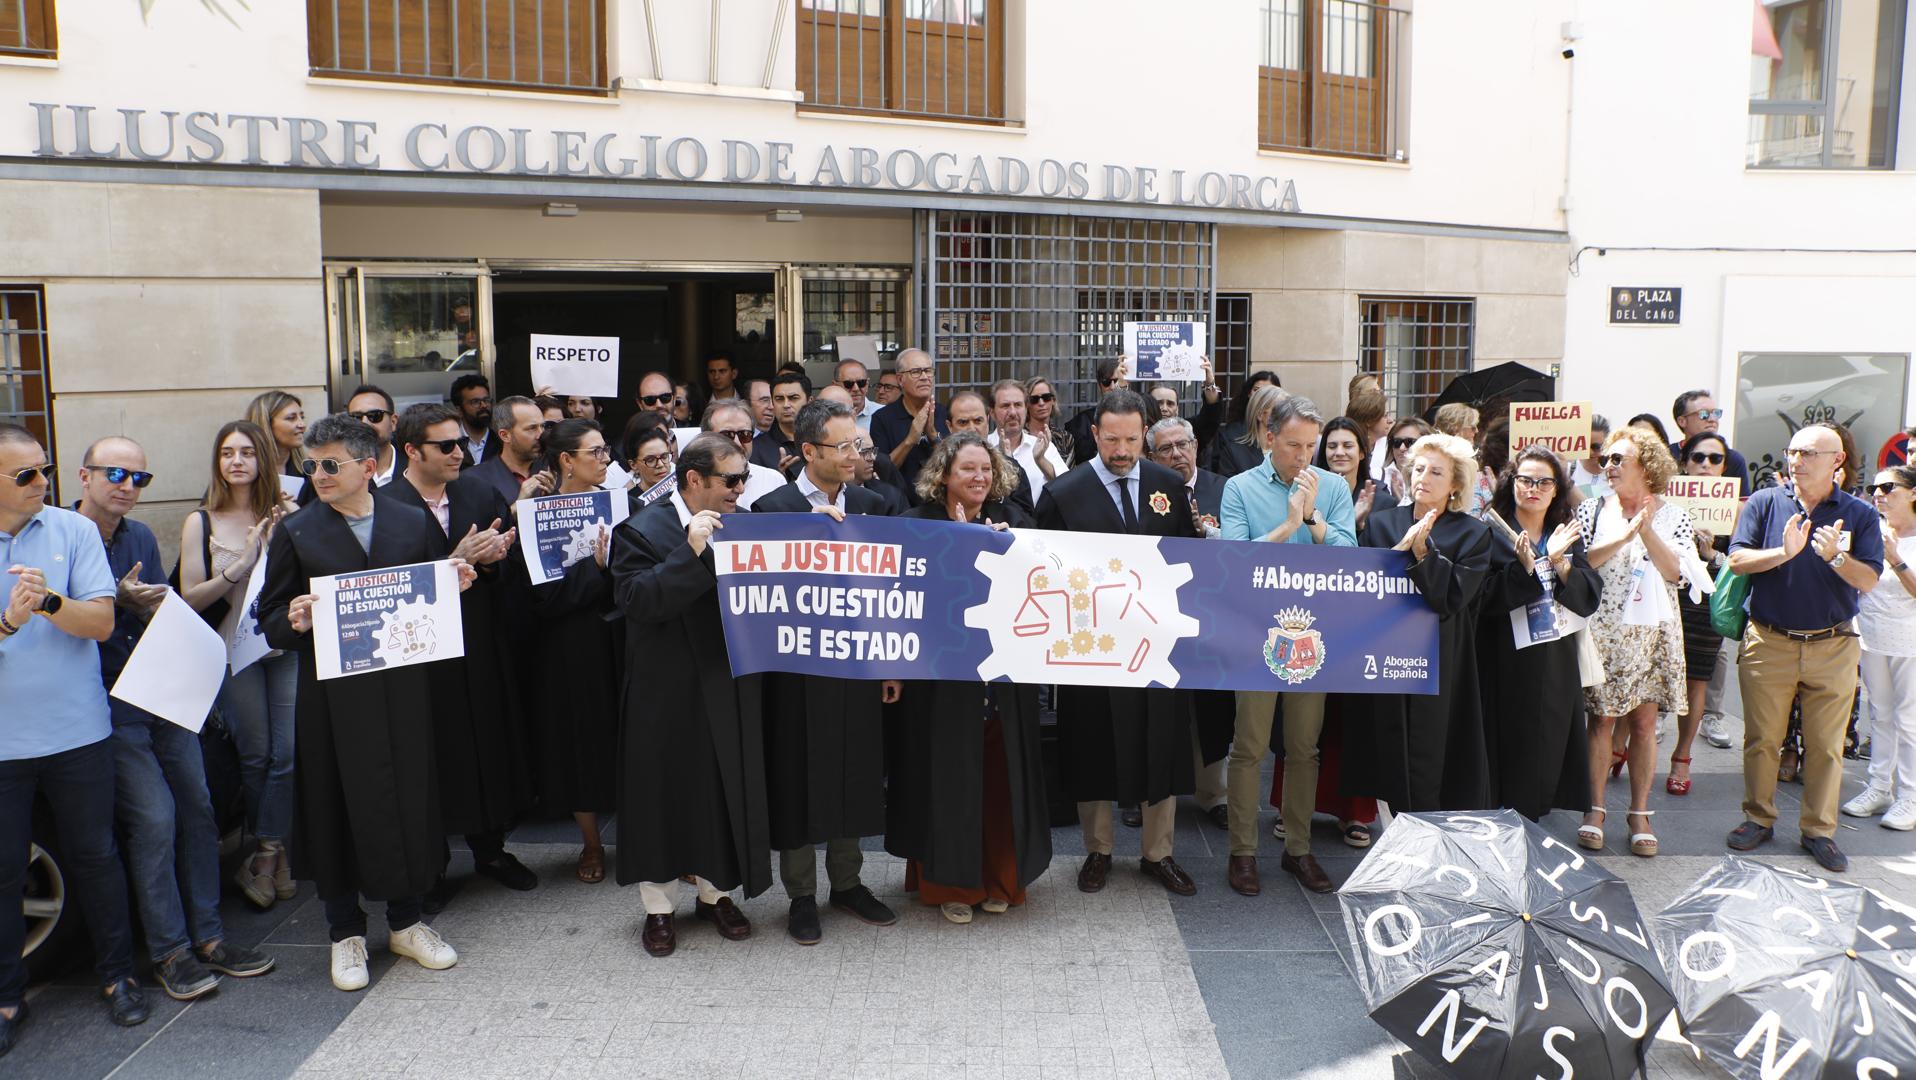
{"points": [[211, 201]]}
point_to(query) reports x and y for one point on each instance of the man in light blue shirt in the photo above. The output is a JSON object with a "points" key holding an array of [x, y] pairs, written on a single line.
{"points": [[55, 738], [1286, 500]]}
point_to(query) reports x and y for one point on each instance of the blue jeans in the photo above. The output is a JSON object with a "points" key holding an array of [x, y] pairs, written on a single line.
{"points": [[172, 841], [78, 784], [257, 705]]}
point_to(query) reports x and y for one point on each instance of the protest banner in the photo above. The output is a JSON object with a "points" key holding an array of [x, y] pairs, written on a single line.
{"points": [[245, 641], [1563, 426], [176, 668], [1164, 351], [556, 531], [897, 598], [576, 366], [375, 620], [1712, 501]]}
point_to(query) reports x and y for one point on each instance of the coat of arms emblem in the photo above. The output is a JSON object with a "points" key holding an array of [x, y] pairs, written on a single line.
{"points": [[1292, 650]]}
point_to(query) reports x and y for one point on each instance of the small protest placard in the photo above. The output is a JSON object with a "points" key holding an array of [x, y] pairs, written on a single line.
{"points": [[1712, 501], [245, 641], [582, 366], [1165, 351], [1563, 426], [177, 666], [556, 531], [393, 617]]}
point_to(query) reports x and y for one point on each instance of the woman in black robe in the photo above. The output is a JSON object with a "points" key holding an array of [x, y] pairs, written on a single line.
{"points": [[579, 656], [1533, 697], [1418, 751], [967, 799]]}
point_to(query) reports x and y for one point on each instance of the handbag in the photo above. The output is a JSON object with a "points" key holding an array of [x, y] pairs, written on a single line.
{"points": [[1729, 613], [1589, 660]]}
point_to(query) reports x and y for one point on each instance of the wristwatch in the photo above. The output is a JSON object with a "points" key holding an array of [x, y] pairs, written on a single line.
{"points": [[1841, 558], [51, 605], [1900, 567]]}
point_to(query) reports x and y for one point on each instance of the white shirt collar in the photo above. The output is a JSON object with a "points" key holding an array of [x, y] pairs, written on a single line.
{"points": [[685, 512], [815, 494]]}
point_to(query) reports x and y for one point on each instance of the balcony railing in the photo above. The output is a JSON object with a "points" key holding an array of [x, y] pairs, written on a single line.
{"points": [[27, 29], [524, 44], [1332, 77], [934, 59]]}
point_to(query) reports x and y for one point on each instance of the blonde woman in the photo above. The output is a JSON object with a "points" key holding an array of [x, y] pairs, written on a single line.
{"points": [[1457, 419], [1423, 752], [281, 416], [1635, 542]]}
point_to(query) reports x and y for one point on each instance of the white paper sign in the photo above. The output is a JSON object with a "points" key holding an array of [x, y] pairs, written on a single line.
{"points": [[177, 667], [556, 531], [291, 486], [860, 347], [1164, 351], [245, 641], [616, 478], [576, 366], [685, 435], [378, 620]]}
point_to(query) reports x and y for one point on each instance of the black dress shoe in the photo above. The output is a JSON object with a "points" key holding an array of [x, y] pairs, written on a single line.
{"points": [[126, 1002], [1826, 853], [1305, 869], [438, 896], [1220, 816], [508, 871], [1093, 871], [731, 922], [860, 904], [658, 936], [1749, 836], [1170, 875], [802, 923], [1132, 816], [10, 1026]]}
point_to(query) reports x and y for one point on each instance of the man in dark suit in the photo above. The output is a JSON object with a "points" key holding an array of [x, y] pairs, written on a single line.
{"points": [[512, 471], [472, 396], [374, 407], [368, 820], [483, 784], [824, 737], [692, 751], [777, 446], [1079, 427], [1132, 745], [908, 428]]}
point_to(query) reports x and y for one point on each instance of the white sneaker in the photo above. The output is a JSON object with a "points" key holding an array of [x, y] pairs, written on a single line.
{"points": [[1716, 732], [1901, 816], [1277, 828], [423, 943], [1870, 802], [349, 964]]}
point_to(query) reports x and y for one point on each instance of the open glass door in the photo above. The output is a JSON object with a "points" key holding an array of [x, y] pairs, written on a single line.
{"points": [[410, 329]]}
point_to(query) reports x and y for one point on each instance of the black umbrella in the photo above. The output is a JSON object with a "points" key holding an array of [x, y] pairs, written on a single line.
{"points": [[1500, 382], [1494, 951], [1783, 975]]}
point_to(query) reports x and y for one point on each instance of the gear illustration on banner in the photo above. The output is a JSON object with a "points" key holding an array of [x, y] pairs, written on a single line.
{"points": [[1050, 611], [406, 633]]}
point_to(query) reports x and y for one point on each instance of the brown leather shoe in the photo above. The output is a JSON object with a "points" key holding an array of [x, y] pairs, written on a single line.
{"points": [[1169, 874], [1093, 871], [731, 922], [658, 937], [1243, 875], [1305, 869]]}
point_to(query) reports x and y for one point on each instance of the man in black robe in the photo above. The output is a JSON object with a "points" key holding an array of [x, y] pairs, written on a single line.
{"points": [[368, 817], [1132, 745], [824, 737], [692, 765], [483, 783]]}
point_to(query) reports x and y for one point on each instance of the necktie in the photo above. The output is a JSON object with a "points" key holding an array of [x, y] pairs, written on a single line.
{"points": [[1124, 505]]}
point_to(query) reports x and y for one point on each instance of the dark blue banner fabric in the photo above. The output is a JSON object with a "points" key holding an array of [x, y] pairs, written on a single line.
{"points": [[897, 598]]}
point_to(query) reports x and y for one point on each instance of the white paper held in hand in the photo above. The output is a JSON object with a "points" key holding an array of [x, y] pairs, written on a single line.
{"points": [[576, 366], [245, 641], [177, 667]]}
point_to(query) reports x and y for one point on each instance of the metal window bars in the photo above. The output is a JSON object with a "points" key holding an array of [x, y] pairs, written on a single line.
{"points": [[833, 305], [527, 44], [1231, 343], [1332, 77], [1004, 295], [1415, 346], [938, 59], [27, 28], [23, 361]]}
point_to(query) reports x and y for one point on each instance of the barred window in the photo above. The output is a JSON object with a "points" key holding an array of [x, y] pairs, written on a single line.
{"points": [[851, 301], [1415, 346], [27, 29], [938, 59], [23, 361], [1331, 77], [1231, 343], [528, 44]]}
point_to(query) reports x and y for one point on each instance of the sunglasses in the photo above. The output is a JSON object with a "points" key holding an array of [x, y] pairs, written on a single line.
{"points": [[1885, 489], [445, 446], [370, 416], [1403, 444], [1043, 399], [548, 425], [654, 399], [1701, 458], [330, 466], [117, 475], [741, 436], [1605, 461], [854, 384], [732, 480], [1707, 414], [25, 476], [1107, 382]]}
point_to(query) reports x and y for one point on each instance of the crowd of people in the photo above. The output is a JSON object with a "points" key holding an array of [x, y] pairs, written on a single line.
{"points": [[1573, 601]]}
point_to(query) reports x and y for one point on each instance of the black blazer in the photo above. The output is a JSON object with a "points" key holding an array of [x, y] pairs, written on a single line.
{"points": [[789, 500], [494, 447], [767, 445], [473, 504], [1210, 493], [1078, 502], [494, 474]]}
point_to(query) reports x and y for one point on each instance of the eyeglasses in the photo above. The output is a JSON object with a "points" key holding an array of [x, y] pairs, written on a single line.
{"points": [[741, 436], [1800, 451], [916, 372], [1176, 447], [1605, 461], [116, 476], [330, 466], [479, 403], [733, 480], [1701, 458], [444, 446], [1043, 399], [1706, 414], [1885, 488], [867, 451], [1403, 444], [654, 399], [602, 452], [854, 384], [846, 447], [25, 476], [370, 416], [656, 461], [1535, 483]]}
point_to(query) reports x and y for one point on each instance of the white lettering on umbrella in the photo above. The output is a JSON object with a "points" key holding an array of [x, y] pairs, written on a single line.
{"points": [[1814, 983], [1591, 912], [1575, 863], [1596, 969], [1469, 878], [1636, 1030], [1543, 991], [1871, 1067], [1867, 1025], [1502, 961], [1797, 912], [1447, 1007], [1768, 1027], [1636, 935], [1415, 930], [1707, 937], [1550, 1051]]}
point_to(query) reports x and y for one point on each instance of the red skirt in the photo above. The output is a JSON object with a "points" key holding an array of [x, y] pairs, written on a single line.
{"points": [[1000, 877], [1330, 756]]}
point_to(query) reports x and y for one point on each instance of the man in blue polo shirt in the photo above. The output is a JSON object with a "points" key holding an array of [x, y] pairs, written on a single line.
{"points": [[54, 738], [1286, 500], [1810, 550], [162, 804]]}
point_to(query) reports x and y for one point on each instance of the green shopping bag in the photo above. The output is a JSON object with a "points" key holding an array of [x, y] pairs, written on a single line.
{"points": [[1727, 603]]}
